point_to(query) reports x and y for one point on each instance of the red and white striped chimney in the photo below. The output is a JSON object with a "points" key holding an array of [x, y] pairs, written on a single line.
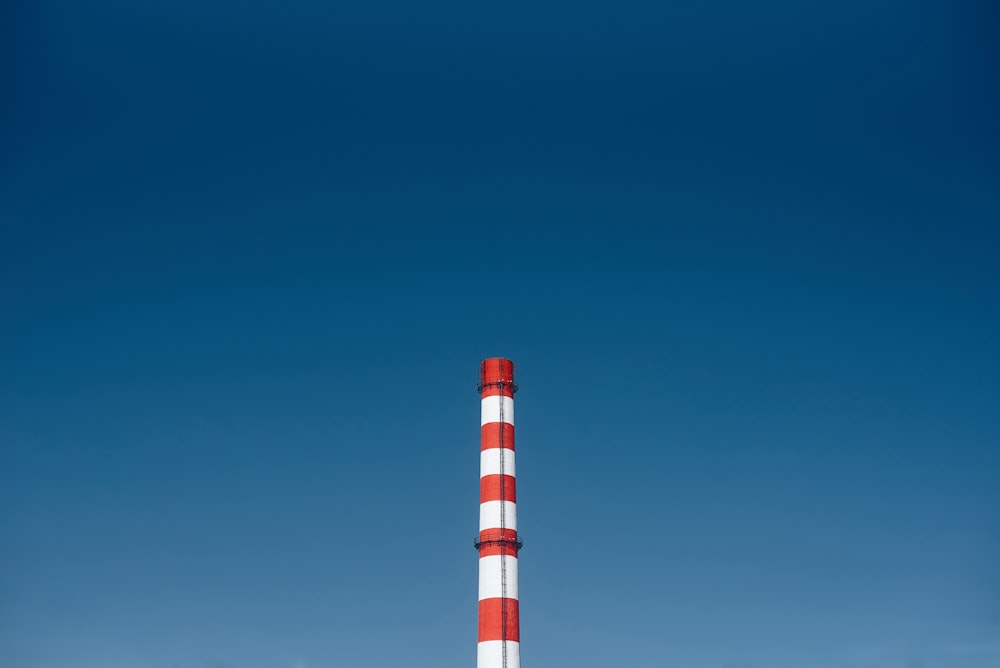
{"points": [[498, 542]]}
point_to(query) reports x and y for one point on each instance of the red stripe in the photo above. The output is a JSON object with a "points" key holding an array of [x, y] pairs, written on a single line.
{"points": [[494, 390], [493, 432], [489, 488], [489, 549], [492, 619], [494, 373]]}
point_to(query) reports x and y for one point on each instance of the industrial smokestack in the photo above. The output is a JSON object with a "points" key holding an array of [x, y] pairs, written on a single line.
{"points": [[498, 542]]}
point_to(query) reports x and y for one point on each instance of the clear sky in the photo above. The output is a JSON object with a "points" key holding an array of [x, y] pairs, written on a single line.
{"points": [[744, 254]]}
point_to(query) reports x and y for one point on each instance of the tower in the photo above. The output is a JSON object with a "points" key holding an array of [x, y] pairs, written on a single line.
{"points": [[498, 542]]}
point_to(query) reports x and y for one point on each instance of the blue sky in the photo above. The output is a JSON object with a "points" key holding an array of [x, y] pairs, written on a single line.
{"points": [[744, 257]]}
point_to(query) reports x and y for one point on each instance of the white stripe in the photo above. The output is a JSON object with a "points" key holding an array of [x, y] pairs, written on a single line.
{"points": [[489, 462], [489, 515], [490, 654], [491, 409], [491, 579]]}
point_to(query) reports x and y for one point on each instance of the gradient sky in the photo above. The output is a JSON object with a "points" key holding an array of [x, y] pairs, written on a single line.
{"points": [[744, 254]]}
